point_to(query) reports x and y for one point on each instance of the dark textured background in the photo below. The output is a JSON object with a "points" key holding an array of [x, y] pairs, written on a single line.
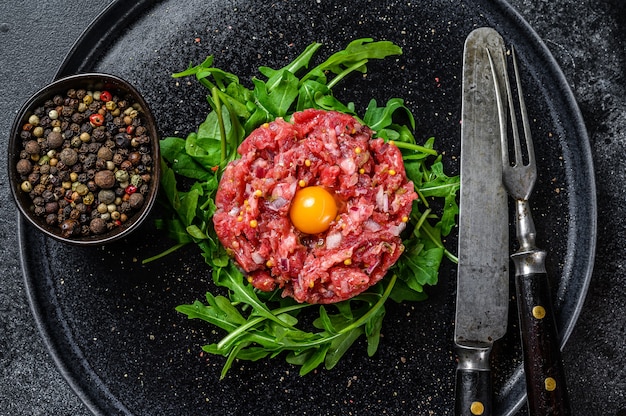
{"points": [[586, 37]]}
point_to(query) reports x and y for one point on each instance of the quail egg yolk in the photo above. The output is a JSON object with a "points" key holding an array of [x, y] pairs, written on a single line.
{"points": [[312, 209]]}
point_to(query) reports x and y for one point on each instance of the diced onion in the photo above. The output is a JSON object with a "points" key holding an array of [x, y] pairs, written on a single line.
{"points": [[333, 240], [257, 257], [382, 200], [371, 225]]}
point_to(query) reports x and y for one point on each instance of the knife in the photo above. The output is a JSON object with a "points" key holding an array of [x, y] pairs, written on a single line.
{"points": [[482, 297]]}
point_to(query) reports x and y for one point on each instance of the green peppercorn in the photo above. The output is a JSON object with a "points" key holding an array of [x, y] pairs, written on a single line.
{"points": [[44, 160], [33, 120], [89, 198], [121, 176], [26, 186], [82, 189], [102, 208], [136, 180]]}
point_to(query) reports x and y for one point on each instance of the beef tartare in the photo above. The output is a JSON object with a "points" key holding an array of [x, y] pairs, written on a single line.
{"points": [[314, 206]]}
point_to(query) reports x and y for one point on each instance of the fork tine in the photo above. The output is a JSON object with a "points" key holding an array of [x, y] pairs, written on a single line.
{"points": [[517, 147], [524, 115]]}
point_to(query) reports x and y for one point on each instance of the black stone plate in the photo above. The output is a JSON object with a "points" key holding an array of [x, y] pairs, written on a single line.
{"points": [[110, 322]]}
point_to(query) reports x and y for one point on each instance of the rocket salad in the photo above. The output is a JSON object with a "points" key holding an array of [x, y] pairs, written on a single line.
{"points": [[264, 324]]}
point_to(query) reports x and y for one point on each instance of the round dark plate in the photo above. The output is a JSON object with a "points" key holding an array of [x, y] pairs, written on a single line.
{"points": [[109, 321]]}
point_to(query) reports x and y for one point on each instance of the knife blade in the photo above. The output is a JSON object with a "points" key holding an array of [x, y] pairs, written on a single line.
{"points": [[482, 297]]}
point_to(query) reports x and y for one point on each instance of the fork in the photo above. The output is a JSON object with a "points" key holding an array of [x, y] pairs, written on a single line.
{"points": [[545, 378]]}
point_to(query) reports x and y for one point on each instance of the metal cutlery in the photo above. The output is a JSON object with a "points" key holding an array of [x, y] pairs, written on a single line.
{"points": [[482, 296], [545, 379]]}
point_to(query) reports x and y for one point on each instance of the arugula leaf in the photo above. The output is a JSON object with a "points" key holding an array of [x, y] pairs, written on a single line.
{"points": [[278, 100], [438, 184], [258, 324]]}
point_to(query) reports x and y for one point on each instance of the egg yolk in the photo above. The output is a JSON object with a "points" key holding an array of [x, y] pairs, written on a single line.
{"points": [[312, 209]]}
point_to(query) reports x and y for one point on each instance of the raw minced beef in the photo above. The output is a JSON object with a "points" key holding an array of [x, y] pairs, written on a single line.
{"points": [[317, 148]]}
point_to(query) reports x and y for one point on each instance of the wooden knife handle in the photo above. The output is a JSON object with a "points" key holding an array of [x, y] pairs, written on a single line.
{"points": [[545, 378], [473, 390]]}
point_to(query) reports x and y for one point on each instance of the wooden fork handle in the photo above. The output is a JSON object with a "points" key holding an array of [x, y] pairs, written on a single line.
{"points": [[545, 378]]}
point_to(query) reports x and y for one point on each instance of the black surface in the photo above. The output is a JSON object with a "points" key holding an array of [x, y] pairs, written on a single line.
{"points": [[601, 397]]}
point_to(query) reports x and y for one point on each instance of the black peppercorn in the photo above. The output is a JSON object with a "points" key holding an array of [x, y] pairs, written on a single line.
{"points": [[52, 207], [118, 158], [33, 178], [122, 140], [86, 128], [51, 219], [47, 195], [39, 189], [67, 111], [98, 134]]}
